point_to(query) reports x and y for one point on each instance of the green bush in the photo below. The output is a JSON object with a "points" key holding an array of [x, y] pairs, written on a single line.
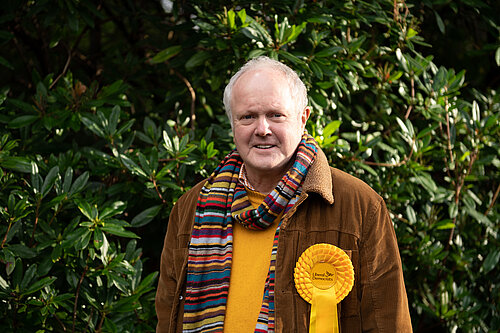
{"points": [[111, 111]]}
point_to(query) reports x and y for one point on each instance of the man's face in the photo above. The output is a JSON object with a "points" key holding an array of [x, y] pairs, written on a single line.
{"points": [[267, 127]]}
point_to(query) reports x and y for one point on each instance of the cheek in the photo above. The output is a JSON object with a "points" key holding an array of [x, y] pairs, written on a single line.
{"points": [[241, 136]]}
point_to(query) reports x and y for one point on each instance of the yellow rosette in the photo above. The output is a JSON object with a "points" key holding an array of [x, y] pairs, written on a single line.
{"points": [[323, 277]]}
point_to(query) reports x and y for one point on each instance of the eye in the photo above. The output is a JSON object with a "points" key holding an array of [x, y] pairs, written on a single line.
{"points": [[247, 116], [276, 115]]}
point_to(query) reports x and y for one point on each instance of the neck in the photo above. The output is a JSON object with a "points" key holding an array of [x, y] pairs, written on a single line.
{"points": [[265, 182], [262, 185]]}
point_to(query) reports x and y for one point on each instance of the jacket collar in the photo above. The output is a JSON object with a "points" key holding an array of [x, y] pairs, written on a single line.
{"points": [[319, 178]]}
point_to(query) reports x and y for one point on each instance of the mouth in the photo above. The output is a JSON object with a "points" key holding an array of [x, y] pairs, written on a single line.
{"points": [[264, 146]]}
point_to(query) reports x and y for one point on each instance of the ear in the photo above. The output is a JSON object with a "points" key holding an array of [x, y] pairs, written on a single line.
{"points": [[305, 115]]}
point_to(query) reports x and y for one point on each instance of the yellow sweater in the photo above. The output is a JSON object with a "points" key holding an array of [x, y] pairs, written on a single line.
{"points": [[251, 257]]}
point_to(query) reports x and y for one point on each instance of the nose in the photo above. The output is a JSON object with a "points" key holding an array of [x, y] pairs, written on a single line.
{"points": [[262, 127]]}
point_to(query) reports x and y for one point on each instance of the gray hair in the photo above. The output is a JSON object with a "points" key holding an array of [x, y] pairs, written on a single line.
{"points": [[298, 90]]}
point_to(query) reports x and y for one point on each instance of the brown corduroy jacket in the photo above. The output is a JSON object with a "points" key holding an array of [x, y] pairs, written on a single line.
{"points": [[334, 208]]}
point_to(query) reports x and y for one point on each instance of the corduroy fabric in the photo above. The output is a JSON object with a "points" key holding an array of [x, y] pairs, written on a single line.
{"points": [[334, 208], [223, 199]]}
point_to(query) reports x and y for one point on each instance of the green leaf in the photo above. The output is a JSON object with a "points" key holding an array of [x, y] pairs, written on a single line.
{"points": [[113, 120], [328, 52], [23, 121], [168, 143], [453, 210], [22, 105], [132, 166], [91, 125], [19, 164], [426, 131], [412, 216], [28, 276], [331, 128], [79, 183], [119, 231], [145, 163], [411, 33], [86, 209], [440, 79], [45, 265], [426, 181], [50, 180], [197, 59], [3, 284], [242, 15], [318, 72], [257, 32], [116, 207], [14, 267], [56, 253], [256, 53], [46, 281], [6, 63], [98, 238], [439, 22], [166, 54], [444, 224], [83, 241], [230, 18], [125, 127], [491, 260], [146, 283], [22, 251], [68, 178], [145, 216], [404, 128]]}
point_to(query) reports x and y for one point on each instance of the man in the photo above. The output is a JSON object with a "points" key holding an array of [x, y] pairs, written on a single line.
{"points": [[233, 241]]}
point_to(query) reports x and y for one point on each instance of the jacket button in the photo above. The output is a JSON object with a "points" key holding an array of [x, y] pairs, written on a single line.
{"points": [[181, 298]]}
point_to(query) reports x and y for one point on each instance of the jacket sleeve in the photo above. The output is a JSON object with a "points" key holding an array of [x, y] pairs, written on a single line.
{"points": [[167, 284], [384, 304]]}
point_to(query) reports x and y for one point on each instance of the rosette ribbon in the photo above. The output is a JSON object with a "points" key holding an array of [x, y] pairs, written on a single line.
{"points": [[323, 276]]}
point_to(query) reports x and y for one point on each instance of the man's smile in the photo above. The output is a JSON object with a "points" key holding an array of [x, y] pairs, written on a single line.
{"points": [[264, 146]]}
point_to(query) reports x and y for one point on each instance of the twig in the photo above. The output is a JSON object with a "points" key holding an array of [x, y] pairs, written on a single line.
{"points": [[458, 187], [493, 200], [410, 107], [158, 191], [99, 327], [5, 237], [60, 322], [77, 294], [55, 213], [193, 97], [36, 221], [70, 55], [88, 321], [395, 11], [448, 135], [65, 69], [391, 165]]}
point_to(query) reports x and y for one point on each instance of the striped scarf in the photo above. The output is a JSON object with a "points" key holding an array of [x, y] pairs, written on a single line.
{"points": [[222, 200]]}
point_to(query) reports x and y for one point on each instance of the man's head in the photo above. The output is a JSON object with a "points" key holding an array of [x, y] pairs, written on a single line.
{"points": [[266, 103], [297, 88]]}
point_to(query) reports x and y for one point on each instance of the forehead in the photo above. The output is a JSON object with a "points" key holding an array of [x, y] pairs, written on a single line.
{"points": [[260, 83]]}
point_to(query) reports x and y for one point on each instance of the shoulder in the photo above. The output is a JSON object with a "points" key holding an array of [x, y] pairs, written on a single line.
{"points": [[191, 196], [182, 216], [352, 194], [346, 185]]}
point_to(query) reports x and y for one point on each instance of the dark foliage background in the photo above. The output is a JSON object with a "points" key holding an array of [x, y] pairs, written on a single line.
{"points": [[110, 110]]}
